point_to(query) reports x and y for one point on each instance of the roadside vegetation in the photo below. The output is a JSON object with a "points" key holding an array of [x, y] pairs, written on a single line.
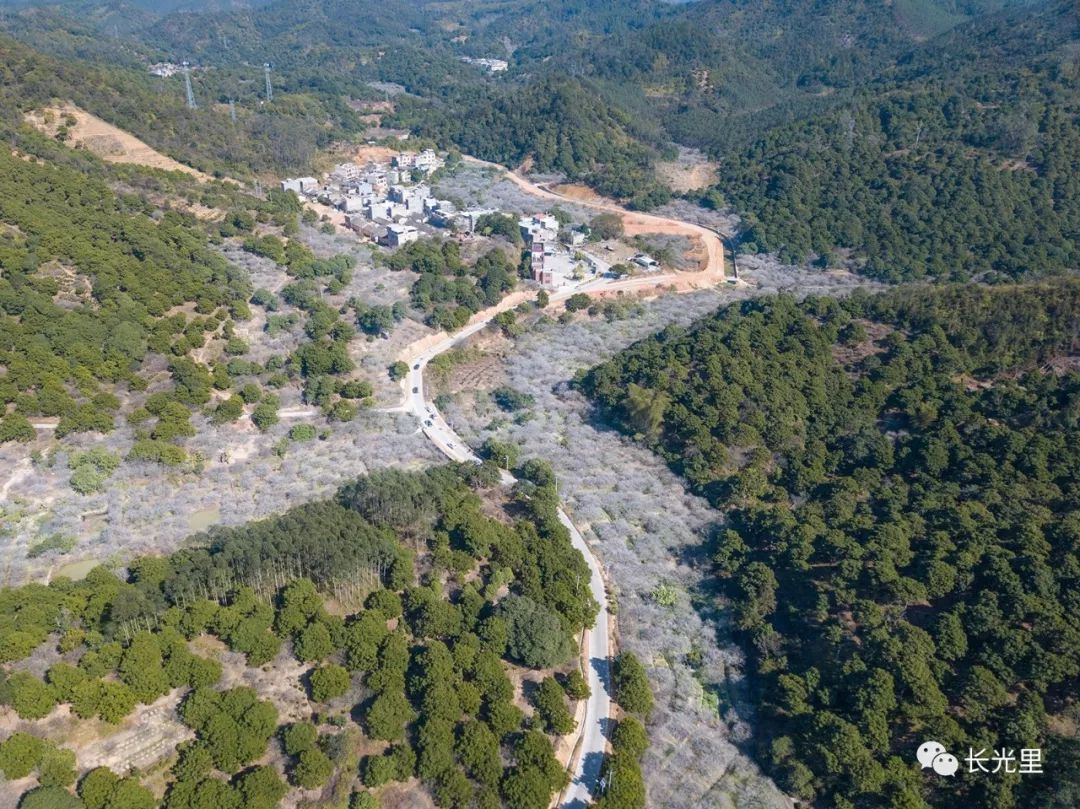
{"points": [[449, 290], [897, 477], [409, 606], [648, 530]]}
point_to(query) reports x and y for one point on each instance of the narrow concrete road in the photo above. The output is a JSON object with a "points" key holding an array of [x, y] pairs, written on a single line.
{"points": [[596, 725]]}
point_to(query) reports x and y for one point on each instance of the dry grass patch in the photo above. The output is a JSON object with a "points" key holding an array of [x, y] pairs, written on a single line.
{"points": [[103, 139]]}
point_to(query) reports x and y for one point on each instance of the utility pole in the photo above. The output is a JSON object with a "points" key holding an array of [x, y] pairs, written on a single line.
{"points": [[187, 87]]}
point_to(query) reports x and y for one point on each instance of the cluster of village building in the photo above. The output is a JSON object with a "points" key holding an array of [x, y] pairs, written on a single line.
{"points": [[393, 205], [387, 204], [491, 65]]}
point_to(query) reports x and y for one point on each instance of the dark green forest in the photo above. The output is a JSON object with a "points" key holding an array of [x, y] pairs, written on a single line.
{"points": [[88, 287], [899, 546], [564, 125], [414, 677], [961, 164], [888, 124], [720, 73]]}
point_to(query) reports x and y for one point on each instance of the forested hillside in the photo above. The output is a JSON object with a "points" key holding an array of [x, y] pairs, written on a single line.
{"points": [[115, 86], [117, 301], [398, 611], [88, 281], [109, 306], [961, 163], [562, 125], [594, 91], [899, 549], [713, 74]]}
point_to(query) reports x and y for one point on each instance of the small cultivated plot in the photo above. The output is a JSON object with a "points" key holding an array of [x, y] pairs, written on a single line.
{"points": [[477, 364]]}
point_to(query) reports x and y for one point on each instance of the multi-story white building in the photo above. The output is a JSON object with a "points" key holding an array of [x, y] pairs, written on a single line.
{"points": [[539, 227], [426, 161], [300, 185], [345, 173], [398, 235]]}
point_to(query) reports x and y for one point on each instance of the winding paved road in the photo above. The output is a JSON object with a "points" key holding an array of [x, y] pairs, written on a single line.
{"points": [[593, 741]]}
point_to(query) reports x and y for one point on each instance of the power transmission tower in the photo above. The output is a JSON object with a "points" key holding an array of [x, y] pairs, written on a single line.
{"points": [[269, 86], [232, 110], [187, 87]]}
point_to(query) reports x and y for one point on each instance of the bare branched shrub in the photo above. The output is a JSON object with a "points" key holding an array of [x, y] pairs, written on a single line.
{"points": [[647, 529]]}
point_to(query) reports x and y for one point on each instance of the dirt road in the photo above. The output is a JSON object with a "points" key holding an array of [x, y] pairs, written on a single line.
{"points": [[712, 274], [592, 742], [635, 222]]}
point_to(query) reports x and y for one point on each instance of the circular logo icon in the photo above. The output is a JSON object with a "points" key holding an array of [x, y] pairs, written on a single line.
{"points": [[926, 752], [945, 764]]}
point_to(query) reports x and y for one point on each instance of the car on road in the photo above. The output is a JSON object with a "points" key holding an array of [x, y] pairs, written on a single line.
{"points": [[427, 423], [416, 367], [451, 445], [416, 390]]}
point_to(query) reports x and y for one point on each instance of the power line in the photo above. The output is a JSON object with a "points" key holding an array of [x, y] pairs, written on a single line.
{"points": [[187, 87]]}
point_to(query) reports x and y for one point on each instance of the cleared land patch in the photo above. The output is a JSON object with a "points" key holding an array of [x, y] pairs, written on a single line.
{"points": [[104, 140]]}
